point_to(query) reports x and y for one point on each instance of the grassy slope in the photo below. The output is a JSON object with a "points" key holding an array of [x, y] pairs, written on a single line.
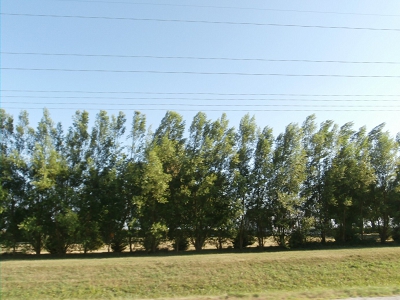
{"points": [[280, 275]]}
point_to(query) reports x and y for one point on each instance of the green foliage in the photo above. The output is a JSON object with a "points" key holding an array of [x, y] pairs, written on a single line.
{"points": [[89, 237], [297, 239], [155, 234], [63, 235], [33, 232], [243, 240], [242, 182], [180, 244], [88, 187], [383, 151], [152, 201], [396, 234], [289, 160], [119, 241], [206, 181], [320, 146]]}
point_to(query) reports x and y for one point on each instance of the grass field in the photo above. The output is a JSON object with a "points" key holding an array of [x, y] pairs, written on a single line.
{"points": [[320, 274]]}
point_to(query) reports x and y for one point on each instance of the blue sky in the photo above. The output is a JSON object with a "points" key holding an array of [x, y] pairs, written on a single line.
{"points": [[272, 99]]}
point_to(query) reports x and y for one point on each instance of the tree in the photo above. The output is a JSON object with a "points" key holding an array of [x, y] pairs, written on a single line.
{"points": [[258, 212], [103, 189], [77, 153], [151, 202], [133, 170], [170, 150], [395, 199], [47, 199], [289, 160], [207, 202], [13, 187], [384, 159], [242, 164], [320, 147], [349, 178]]}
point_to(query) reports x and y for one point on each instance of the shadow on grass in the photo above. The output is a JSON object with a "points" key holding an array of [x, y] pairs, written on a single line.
{"points": [[164, 253]]}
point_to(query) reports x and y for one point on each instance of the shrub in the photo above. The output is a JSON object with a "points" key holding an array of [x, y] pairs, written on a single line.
{"points": [[396, 234], [118, 244], [247, 240], [296, 239], [181, 244]]}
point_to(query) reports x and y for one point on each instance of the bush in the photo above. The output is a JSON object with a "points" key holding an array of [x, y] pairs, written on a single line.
{"points": [[349, 234], [297, 239], [118, 244], [396, 234], [89, 237], [247, 240], [181, 244], [63, 233]]}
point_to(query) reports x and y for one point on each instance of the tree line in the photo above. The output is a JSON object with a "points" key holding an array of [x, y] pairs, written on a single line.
{"points": [[116, 184]]}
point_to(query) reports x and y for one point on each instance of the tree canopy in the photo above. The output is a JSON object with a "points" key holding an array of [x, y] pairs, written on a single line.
{"points": [[117, 186]]}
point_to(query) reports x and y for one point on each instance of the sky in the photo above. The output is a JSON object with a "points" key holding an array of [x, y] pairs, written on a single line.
{"points": [[340, 60]]}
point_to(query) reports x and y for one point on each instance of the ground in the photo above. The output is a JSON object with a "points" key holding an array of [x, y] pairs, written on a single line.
{"points": [[318, 274]]}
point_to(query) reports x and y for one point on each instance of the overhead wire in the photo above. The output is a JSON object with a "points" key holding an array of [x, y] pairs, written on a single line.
{"points": [[197, 21], [191, 99], [207, 73], [197, 72], [201, 93], [203, 105], [231, 7], [220, 110], [199, 58]]}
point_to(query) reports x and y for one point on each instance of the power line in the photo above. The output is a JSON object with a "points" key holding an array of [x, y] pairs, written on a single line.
{"points": [[200, 58], [199, 21], [200, 93], [232, 7], [198, 73], [191, 99], [219, 110], [207, 105]]}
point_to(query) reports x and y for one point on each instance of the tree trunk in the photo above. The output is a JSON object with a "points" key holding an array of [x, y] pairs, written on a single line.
{"points": [[362, 223], [219, 243], [344, 226], [384, 231], [38, 248], [198, 243], [324, 225], [260, 242], [385, 225], [130, 244], [153, 246]]}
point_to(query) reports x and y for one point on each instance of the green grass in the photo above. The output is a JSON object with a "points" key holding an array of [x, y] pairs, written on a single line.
{"points": [[321, 274]]}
